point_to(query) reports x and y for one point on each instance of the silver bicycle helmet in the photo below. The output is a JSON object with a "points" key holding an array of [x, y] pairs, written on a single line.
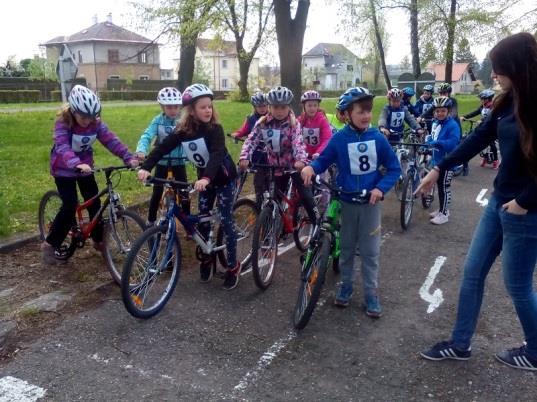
{"points": [[196, 91], [169, 96], [280, 96], [442, 101], [258, 99]]}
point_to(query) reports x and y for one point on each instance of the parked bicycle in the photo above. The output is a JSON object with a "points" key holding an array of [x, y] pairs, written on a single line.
{"points": [[152, 268], [121, 226]]}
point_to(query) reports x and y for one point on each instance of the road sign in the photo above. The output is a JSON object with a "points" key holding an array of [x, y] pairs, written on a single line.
{"points": [[66, 70]]}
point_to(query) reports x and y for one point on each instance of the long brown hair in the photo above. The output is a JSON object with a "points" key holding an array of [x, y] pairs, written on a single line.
{"points": [[516, 58], [65, 115], [189, 124]]}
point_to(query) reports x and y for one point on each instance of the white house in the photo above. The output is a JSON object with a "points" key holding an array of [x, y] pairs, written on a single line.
{"points": [[462, 77]]}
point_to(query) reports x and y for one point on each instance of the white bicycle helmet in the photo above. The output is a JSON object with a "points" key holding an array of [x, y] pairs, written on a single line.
{"points": [[442, 101], [280, 96], [169, 96], [310, 96], [258, 99], [196, 91], [395, 93], [83, 101]]}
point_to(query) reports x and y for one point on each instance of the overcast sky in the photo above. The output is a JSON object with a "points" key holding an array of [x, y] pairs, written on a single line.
{"points": [[25, 24]]}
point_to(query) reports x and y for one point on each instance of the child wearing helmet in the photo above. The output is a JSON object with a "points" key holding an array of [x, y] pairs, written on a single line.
{"points": [[359, 150], [424, 103], [316, 131], [204, 145], [77, 128], [161, 126], [394, 115], [445, 89], [444, 137], [281, 135], [408, 93]]}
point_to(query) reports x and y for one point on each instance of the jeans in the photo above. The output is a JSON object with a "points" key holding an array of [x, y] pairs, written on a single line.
{"points": [[516, 237]]}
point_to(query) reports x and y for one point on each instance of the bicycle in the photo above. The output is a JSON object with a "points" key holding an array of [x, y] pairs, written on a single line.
{"points": [[153, 265], [281, 214], [323, 250], [121, 226]]}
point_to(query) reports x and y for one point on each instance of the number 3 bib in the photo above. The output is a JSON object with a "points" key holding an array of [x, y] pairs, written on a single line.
{"points": [[362, 157], [271, 137], [197, 152], [81, 143], [311, 136]]}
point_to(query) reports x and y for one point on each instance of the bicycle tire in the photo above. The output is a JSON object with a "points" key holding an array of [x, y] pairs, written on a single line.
{"points": [[300, 222], [119, 238], [407, 201], [49, 205], [266, 230], [312, 280], [148, 272]]}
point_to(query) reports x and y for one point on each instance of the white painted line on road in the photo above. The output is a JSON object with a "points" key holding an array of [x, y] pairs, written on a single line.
{"points": [[251, 376], [480, 200], [15, 390], [436, 298]]}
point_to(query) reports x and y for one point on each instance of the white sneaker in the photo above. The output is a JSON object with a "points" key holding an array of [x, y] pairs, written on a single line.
{"points": [[434, 213], [439, 219]]}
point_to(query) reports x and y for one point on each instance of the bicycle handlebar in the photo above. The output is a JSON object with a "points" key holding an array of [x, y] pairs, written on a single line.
{"points": [[361, 197], [236, 140], [285, 169], [107, 169]]}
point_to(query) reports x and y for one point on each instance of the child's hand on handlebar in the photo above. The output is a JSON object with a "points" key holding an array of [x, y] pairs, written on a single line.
{"points": [[243, 164], [133, 163], [84, 168], [307, 173], [376, 195], [140, 156], [201, 184], [143, 175]]}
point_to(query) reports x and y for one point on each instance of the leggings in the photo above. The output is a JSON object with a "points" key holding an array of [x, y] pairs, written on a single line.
{"points": [[161, 171], [444, 190]]}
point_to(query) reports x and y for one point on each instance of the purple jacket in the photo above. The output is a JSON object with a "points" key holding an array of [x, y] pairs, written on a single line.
{"points": [[73, 146]]}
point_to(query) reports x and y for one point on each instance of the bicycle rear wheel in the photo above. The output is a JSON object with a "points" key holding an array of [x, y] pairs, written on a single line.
{"points": [[119, 237], [312, 279], [49, 207], [302, 228], [407, 200], [150, 272], [265, 246]]}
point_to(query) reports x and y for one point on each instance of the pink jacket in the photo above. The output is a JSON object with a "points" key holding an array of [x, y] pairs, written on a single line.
{"points": [[316, 132]]}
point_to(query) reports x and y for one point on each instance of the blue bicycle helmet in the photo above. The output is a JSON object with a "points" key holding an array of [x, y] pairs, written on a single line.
{"points": [[408, 92], [428, 88], [486, 94], [352, 95]]}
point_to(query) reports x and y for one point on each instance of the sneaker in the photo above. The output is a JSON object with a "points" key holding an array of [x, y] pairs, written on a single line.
{"points": [[372, 306], [48, 255], [446, 350], [434, 213], [206, 270], [343, 296], [231, 278], [495, 165], [440, 219], [517, 358]]}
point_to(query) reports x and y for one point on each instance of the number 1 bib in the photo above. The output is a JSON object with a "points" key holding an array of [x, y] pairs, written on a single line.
{"points": [[81, 143], [311, 136], [271, 137], [362, 157], [197, 152]]}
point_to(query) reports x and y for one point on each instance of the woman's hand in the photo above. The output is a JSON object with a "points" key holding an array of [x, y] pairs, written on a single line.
{"points": [[376, 196], [84, 168], [201, 184], [512, 207], [143, 175], [307, 173], [427, 183]]}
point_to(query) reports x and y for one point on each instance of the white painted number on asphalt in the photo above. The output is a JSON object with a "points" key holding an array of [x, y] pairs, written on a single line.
{"points": [[480, 200], [436, 298], [14, 390]]}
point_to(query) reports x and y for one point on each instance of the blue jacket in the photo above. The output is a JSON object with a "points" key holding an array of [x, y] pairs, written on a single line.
{"points": [[445, 136], [160, 127], [422, 106], [358, 156]]}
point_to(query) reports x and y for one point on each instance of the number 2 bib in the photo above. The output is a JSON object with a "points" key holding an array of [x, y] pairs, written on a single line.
{"points": [[362, 157], [81, 143], [396, 120], [311, 136], [197, 152], [271, 137]]}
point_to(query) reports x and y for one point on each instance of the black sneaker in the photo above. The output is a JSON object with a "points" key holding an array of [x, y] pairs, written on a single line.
{"points": [[231, 277], [446, 350], [517, 358], [206, 271]]}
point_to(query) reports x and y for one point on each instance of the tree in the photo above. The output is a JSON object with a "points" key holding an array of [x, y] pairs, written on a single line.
{"points": [[485, 71], [290, 34], [429, 54], [465, 55], [405, 63], [237, 22]]}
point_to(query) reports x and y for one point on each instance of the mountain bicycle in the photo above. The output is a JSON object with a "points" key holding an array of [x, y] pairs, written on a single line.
{"points": [[323, 250], [121, 226], [153, 265]]}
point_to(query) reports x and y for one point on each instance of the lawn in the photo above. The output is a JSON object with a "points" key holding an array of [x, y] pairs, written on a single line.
{"points": [[26, 140]]}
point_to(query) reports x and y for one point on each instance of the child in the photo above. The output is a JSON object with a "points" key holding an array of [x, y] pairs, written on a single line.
{"points": [[408, 93], [316, 131], [77, 127], [359, 151], [486, 96], [445, 89], [424, 104], [203, 141], [393, 115], [336, 121], [260, 104], [280, 132], [445, 136], [161, 126]]}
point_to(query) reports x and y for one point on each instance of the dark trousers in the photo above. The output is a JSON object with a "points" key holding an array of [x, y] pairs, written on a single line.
{"points": [[161, 172], [444, 190], [65, 218]]}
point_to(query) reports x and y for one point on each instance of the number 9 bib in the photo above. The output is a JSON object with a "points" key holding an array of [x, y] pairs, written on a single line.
{"points": [[197, 152], [362, 157]]}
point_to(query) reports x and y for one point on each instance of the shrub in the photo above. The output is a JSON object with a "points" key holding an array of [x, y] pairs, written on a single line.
{"points": [[19, 96]]}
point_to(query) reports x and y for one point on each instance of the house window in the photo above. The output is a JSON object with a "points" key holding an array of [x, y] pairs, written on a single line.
{"points": [[80, 57], [350, 67], [224, 82], [142, 58], [113, 56], [224, 63], [144, 77], [113, 77]]}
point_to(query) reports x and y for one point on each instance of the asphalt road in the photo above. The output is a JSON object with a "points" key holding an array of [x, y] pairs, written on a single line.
{"points": [[209, 344]]}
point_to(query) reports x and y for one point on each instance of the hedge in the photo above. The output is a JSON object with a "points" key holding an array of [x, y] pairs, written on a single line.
{"points": [[20, 96], [128, 95]]}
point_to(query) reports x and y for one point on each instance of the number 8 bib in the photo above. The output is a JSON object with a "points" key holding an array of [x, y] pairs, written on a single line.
{"points": [[197, 152], [362, 157]]}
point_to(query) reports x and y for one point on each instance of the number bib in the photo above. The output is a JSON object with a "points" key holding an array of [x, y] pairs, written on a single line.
{"points": [[362, 157], [397, 119], [427, 107], [164, 131], [435, 131], [271, 137], [197, 152], [81, 143], [485, 112], [311, 136]]}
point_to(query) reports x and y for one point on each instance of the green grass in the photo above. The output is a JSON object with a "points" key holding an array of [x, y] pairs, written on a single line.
{"points": [[26, 140]]}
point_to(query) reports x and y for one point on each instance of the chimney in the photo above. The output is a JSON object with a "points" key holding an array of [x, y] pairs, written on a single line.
{"points": [[94, 19], [109, 18]]}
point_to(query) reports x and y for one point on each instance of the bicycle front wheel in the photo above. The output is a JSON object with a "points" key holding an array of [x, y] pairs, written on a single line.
{"points": [[49, 206], [312, 279], [302, 228], [265, 246], [407, 200], [119, 236], [150, 273]]}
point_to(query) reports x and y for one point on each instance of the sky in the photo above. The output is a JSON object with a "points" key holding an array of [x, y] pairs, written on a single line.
{"points": [[33, 22]]}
